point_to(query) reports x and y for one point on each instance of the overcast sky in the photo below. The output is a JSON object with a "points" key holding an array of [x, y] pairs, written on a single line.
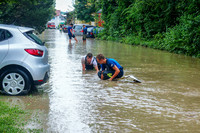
{"points": [[64, 5]]}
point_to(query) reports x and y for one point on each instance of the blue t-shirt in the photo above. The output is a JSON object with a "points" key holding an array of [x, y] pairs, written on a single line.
{"points": [[69, 28], [85, 30], [110, 63]]}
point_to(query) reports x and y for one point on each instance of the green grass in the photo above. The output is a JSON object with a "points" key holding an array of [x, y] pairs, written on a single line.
{"points": [[11, 118]]}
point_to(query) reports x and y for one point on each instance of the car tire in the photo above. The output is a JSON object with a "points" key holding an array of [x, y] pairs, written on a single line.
{"points": [[15, 82]]}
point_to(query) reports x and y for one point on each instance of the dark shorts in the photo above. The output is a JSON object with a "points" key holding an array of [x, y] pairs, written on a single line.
{"points": [[84, 36], [108, 74], [70, 36]]}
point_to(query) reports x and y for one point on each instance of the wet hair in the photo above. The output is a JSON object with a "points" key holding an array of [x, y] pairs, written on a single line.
{"points": [[89, 55], [100, 56], [71, 24]]}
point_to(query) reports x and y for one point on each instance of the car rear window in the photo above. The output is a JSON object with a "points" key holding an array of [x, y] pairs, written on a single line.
{"points": [[78, 27], [31, 36], [88, 26], [89, 29]]}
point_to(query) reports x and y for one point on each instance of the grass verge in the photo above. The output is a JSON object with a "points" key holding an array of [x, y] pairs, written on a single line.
{"points": [[13, 119]]}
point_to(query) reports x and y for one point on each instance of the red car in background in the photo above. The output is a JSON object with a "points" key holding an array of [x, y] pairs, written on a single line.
{"points": [[51, 26], [64, 28]]}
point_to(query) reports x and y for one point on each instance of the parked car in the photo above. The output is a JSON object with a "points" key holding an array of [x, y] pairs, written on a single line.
{"points": [[23, 60], [51, 25], [90, 32], [93, 31], [64, 28], [78, 28]]}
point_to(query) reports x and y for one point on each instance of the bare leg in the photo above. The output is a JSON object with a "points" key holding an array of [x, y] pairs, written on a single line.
{"points": [[76, 39]]}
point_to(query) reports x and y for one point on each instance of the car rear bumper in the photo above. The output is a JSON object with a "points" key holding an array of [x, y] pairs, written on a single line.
{"points": [[44, 80]]}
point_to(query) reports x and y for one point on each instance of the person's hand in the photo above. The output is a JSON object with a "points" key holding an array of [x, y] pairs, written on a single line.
{"points": [[110, 79], [83, 72], [101, 76], [97, 72]]}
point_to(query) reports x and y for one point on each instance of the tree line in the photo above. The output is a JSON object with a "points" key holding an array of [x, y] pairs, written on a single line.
{"points": [[171, 25], [29, 13]]}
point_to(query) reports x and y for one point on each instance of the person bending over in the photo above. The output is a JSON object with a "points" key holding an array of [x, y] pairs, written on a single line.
{"points": [[89, 62], [111, 69]]}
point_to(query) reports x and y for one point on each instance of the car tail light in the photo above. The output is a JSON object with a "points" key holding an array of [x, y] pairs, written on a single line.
{"points": [[35, 52]]}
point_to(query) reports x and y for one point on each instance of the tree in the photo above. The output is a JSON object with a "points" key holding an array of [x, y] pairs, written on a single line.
{"points": [[30, 13], [84, 9]]}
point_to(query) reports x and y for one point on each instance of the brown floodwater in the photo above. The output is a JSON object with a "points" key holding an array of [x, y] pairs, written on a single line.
{"points": [[167, 100]]}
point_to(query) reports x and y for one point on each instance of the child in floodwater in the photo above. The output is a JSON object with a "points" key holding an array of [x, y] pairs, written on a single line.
{"points": [[111, 69]]}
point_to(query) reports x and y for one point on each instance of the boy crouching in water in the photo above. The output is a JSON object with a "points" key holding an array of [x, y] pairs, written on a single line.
{"points": [[111, 69]]}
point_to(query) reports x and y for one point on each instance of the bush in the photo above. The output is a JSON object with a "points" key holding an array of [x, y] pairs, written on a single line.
{"points": [[166, 25], [185, 37]]}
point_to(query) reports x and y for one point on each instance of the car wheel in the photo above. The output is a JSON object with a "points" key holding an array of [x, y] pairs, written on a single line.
{"points": [[15, 82]]}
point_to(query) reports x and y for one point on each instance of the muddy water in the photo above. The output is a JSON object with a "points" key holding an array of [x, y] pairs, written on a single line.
{"points": [[167, 100]]}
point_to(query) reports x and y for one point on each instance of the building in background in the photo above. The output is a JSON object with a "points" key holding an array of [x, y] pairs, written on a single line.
{"points": [[58, 19]]}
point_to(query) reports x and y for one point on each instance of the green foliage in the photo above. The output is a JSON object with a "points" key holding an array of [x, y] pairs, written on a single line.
{"points": [[84, 10], [184, 38], [166, 25], [151, 17], [30, 13], [70, 17], [162, 24]]}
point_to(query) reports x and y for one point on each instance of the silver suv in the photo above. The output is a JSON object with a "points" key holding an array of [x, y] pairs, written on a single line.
{"points": [[78, 28], [23, 60]]}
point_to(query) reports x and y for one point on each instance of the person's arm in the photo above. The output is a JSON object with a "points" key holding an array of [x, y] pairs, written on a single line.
{"points": [[83, 63], [71, 30], [102, 76], [116, 72], [96, 67], [83, 67], [102, 68]]}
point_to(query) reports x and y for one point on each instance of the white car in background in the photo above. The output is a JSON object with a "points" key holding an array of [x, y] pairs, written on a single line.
{"points": [[23, 60]]}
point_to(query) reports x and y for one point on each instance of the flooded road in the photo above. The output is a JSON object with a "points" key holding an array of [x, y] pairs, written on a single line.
{"points": [[167, 100]]}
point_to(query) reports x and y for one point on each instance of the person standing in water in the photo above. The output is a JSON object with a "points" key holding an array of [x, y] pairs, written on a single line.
{"points": [[70, 33], [84, 33]]}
